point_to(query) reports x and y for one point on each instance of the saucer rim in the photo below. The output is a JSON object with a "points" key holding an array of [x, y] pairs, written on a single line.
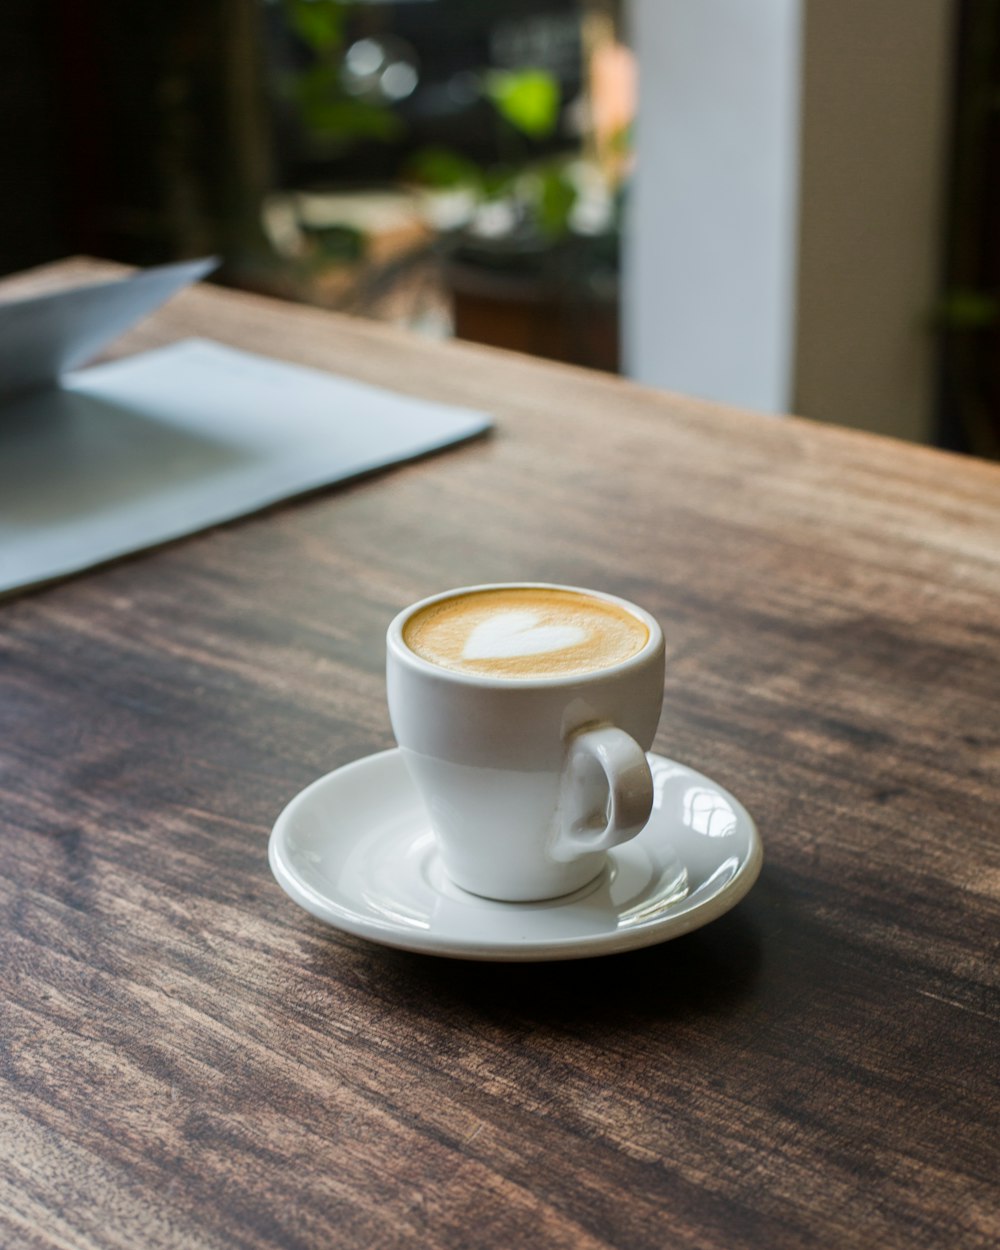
{"points": [[424, 942]]}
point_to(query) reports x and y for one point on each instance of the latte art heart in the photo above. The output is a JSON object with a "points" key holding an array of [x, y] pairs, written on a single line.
{"points": [[512, 634], [524, 632]]}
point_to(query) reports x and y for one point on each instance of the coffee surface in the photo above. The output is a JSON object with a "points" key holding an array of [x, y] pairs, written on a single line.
{"points": [[523, 632]]}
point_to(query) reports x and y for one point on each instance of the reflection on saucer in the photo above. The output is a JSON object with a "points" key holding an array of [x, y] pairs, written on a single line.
{"points": [[708, 812]]}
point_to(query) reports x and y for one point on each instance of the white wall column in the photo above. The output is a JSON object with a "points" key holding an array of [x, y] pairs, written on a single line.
{"points": [[710, 246], [784, 244]]}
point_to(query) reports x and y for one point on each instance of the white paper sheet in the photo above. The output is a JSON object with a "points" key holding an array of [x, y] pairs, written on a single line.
{"points": [[126, 455]]}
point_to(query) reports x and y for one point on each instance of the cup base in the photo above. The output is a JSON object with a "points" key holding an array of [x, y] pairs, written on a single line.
{"points": [[532, 895]]}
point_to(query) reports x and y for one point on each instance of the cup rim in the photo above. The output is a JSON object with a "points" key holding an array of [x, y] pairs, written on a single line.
{"points": [[397, 647]]}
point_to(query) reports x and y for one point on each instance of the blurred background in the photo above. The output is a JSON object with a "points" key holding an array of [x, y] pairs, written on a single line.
{"points": [[786, 205]]}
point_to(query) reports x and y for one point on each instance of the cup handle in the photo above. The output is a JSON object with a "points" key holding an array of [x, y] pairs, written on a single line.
{"points": [[607, 793]]}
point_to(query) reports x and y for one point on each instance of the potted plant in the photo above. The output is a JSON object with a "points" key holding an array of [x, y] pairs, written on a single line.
{"points": [[530, 244]]}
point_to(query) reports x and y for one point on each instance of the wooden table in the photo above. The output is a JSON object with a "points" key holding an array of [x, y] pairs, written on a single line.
{"points": [[190, 1061]]}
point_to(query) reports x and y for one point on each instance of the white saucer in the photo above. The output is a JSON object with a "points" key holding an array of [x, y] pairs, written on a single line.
{"points": [[355, 849]]}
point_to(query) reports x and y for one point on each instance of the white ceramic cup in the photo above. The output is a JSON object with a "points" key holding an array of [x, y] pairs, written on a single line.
{"points": [[528, 782]]}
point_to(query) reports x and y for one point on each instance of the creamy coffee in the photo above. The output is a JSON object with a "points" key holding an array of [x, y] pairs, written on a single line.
{"points": [[524, 631]]}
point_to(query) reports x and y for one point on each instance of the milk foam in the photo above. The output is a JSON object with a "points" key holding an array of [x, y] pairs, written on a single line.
{"points": [[510, 634], [523, 631]]}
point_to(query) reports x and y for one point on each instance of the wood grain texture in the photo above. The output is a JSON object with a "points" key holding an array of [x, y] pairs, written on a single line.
{"points": [[187, 1060]]}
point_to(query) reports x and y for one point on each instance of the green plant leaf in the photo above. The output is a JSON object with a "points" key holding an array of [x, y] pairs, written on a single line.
{"points": [[527, 98], [444, 169], [319, 23], [556, 198], [964, 309], [498, 181], [348, 120], [338, 244], [317, 83]]}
